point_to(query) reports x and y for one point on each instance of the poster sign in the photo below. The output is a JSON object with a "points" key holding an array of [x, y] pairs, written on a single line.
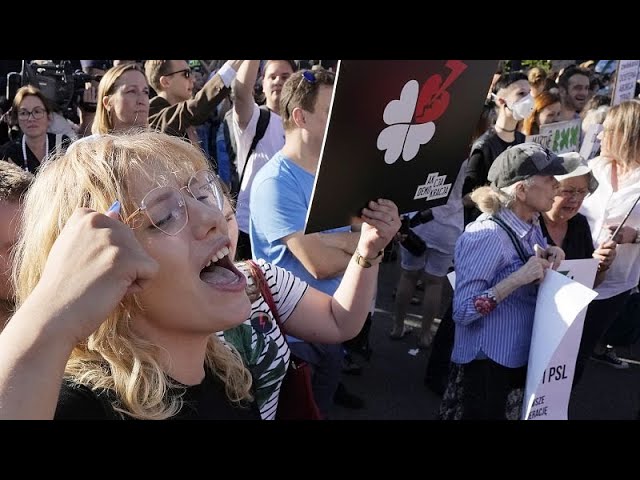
{"points": [[626, 78], [591, 143], [397, 129], [563, 298], [544, 140], [563, 136]]}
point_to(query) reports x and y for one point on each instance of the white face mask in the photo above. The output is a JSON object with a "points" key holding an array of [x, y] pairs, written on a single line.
{"points": [[522, 108]]}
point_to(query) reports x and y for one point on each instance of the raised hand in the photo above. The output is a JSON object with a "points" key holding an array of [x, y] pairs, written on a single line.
{"points": [[381, 223], [95, 261]]}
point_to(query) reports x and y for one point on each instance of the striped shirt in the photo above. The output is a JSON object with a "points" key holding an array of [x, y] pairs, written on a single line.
{"points": [[484, 256], [260, 341]]}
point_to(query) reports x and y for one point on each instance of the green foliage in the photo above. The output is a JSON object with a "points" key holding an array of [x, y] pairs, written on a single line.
{"points": [[544, 64]]}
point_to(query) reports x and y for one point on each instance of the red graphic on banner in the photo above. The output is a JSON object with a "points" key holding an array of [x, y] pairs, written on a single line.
{"points": [[434, 97]]}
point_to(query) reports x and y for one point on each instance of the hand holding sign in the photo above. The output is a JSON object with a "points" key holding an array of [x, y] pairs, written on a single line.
{"points": [[381, 224]]}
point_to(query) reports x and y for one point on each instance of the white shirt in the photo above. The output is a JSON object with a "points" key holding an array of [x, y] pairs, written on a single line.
{"points": [[266, 148], [606, 207]]}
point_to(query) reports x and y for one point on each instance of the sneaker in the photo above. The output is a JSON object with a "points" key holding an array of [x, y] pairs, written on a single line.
{"points": [[609, 357]]}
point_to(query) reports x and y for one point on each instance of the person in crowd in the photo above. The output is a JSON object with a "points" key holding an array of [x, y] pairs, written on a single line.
{"points": [[14, 182], [260, 342], [246, 116], [573, 84], [617, 169], [495, 289], [175, 110], [565, 227], [95, 69], [123, 100], [546, 110], [513, 103], [439, 229], [280, 197], [117, 312], [537, 80], [32, 111]]}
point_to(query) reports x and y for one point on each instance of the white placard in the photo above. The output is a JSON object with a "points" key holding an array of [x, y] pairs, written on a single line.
{"points": [[563, 298]]}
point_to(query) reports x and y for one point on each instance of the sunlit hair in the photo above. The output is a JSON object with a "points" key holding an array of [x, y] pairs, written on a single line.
{"points": [[92, 173], [491, 201], [102, 122], [302, 93], [622, 133], [531, 125], [28, 91], [154, 69], [14, 182]]}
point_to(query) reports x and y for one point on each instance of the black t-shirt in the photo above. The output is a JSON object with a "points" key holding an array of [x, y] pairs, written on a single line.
{"points": [[12, 152], [206, 401], [483, 152], [577, 242]]}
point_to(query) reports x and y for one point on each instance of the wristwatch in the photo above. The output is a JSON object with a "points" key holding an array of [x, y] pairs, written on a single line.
{"points": [[367, 262]]}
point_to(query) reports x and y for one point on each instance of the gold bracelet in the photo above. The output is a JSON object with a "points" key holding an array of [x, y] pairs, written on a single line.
{"points": [[367, 262]]}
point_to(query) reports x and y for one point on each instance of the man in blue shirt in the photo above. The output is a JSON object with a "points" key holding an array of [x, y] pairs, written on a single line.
{"points": [[279, 201]]}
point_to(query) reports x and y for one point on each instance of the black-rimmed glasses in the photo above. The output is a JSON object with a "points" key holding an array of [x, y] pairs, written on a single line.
{"points": [[37, 113], [166, 207], [186, 73], [307, 76]]}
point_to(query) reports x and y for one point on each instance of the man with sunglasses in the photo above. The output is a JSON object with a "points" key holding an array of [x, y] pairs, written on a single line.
{"points": [[175, 110]]}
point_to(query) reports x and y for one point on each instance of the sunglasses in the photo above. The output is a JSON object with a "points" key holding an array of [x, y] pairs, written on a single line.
{"points": [[186, 73], [307, 76]]}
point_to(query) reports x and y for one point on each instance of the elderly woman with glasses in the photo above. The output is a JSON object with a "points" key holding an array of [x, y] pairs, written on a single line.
{"points": [[117, 318], [499, 260], [32, 111]]}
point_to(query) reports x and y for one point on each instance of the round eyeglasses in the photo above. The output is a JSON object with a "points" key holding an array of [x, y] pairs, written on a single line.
{"points": [[166, 207]]}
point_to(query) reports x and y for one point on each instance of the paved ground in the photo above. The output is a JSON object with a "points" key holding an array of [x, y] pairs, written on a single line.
{"points": [[392, 382]]}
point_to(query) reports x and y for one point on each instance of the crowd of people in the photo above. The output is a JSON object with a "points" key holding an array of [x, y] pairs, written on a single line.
{"points": [[178, 173]]}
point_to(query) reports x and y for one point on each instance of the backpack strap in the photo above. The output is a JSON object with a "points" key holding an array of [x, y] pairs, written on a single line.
{"points": [[514, 239], [261, 128]]}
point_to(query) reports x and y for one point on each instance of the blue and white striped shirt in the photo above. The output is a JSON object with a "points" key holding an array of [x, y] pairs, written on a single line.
{"points": [[484, 256]]}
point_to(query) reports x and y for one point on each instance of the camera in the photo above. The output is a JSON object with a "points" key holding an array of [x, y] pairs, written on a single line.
{"points": [[413, 243], [57, 81]]}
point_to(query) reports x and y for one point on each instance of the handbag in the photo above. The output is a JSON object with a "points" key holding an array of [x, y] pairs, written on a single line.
{"points": [[296, 400]]}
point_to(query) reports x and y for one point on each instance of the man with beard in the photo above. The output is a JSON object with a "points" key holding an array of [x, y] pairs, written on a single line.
{"points": [[574, 89]]}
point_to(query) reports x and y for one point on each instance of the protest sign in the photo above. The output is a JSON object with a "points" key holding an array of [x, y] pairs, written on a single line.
{"points": [[544, 140], [626, 78], [563, 136], [397, 129], [591, 144], [563, 298]]}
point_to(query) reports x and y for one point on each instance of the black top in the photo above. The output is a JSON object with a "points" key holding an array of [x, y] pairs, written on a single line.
{"points": [[206, 401], [577, 242], [483, 152], [12, 152]]}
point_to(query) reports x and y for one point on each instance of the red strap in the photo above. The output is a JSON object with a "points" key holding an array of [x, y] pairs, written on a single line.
{"points": [[261, 281]]}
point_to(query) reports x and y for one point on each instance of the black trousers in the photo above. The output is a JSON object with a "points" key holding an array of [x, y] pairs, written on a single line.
{"points": [[600, 315], [486, 386]]}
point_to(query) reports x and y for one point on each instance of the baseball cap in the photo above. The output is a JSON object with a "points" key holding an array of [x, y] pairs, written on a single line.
{"points": [[577, 166], [525, 160]]}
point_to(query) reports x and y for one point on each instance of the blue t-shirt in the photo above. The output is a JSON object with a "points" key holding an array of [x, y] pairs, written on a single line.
{"points": [[280, 197]]}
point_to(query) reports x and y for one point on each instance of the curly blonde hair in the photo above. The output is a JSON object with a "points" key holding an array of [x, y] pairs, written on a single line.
{"points": [[91, 174]]}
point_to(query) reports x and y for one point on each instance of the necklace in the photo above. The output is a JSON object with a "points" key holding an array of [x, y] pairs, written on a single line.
{"points": [[505, 130], [24, 150]]}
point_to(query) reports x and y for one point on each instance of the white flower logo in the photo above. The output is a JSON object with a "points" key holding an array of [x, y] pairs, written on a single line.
{"points": [[401, 136]]}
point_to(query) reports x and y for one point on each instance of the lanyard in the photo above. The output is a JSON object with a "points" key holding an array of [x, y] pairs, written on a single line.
{"points": [[24, 150]]}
